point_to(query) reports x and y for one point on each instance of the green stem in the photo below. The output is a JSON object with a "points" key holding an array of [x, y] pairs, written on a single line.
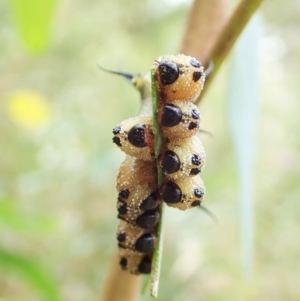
{"points": [[157, 255]]}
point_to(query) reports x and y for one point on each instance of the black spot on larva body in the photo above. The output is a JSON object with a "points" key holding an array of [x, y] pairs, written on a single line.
{"points": [[124, 193], [195, 114], [171, 193], [117, 141], [171, 115], [198, 192], [192, 125], [170, 162], [168, 72], [196, 203], [145, 243], [116, 130], [122, 208], [123, 262], [196, 160], [150, 202], [197, 75], [121, 237], [195, 63], [195, 171], [136, 135], [121, 246], [148, 219], [145, 265]]}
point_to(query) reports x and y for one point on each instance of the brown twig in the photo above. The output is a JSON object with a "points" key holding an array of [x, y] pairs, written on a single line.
{"points": [[119, 285], [206, 20], [229, 35]]}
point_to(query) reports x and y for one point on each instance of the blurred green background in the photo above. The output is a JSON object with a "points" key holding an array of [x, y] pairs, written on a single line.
{"points": [[58, 165]]}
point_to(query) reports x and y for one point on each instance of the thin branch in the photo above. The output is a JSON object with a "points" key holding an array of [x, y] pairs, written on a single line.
{"points": [[229, 35], [119, 285], [205, 21]]}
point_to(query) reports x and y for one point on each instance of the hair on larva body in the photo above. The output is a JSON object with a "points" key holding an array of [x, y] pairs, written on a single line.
{"points": [[179, 80]]}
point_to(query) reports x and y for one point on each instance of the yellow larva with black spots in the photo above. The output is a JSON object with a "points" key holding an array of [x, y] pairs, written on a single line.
{"points": [[178, 119], [182, 158], [178, 77], [138, 193], [183, 194], [179, 81], [135, 137]]}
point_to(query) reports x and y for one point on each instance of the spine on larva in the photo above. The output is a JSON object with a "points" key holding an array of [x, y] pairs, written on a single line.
{"points": [[179, 81]]}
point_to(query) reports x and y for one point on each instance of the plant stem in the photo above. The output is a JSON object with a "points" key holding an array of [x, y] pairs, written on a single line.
{"points": [[228, 36], [119, 285], [205, 21]]}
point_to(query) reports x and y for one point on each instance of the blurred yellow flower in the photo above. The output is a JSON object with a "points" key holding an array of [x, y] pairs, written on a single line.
{"points": [[28, 109]]}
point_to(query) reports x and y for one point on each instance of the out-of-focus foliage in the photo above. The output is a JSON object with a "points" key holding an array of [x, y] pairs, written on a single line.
{"points": [[58, 180], [33, 21], [31, 272]]}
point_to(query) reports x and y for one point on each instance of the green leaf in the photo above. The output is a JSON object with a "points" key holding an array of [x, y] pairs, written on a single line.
{"points": [[33, 20], [243, 116], [31, 272]]}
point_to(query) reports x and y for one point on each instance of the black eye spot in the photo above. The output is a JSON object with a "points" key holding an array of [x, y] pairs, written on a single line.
{"points": [[198, 192], [123, 262], [196, 160], [195, 171], [122, 208], [168, 72], [117, 141], [121, 237], [193, 125], [116, 130], [195, 63], [124, 193], [170, 162], [145, 266], [195, 114], [197, 75], [150, 202], [196, 203], [171, 193], [145, 243], [136, 135], [171, 115], [148, 219]]}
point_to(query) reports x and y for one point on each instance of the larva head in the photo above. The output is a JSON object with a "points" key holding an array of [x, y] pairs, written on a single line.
{"points": [[179, 119], [135, 137], [135, 262], [182, 158], [183, 194], [179, 77], [135, 238]]}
